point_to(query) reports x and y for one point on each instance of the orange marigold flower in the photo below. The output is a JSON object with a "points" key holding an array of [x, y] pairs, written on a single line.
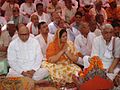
{"points": [[94, 61]]}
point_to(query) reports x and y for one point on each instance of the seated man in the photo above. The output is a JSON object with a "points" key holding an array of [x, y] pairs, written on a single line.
{"points": [[44, 38], [25, 57], [107, 48], [33, 25]]}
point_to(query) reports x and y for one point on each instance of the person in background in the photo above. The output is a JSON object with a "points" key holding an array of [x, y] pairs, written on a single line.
{"points": [[98, 9], [44, 2], [16, 17], [8, 8], [9, 30], [25, 57], [68, 11], [41, 14], [113, 12], [100, 20], [54, 7], [27, 9], [116, 26], [33, 25], [75, 30], [53, 26]]}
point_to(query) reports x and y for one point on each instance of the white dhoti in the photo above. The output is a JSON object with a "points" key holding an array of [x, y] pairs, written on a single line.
{"points": [[38, 75]]}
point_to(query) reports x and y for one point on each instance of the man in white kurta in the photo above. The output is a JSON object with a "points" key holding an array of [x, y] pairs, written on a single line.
{"points": [[33, 25], [104, 48], [83, 42], [105, 52], [53, 26], [25, 57], [108, 49], [26, 9], [41, 14], [41, 37], [68, 11]]}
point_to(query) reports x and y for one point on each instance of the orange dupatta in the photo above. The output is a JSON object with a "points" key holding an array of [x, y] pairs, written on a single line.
{"points": [[55, 47]]}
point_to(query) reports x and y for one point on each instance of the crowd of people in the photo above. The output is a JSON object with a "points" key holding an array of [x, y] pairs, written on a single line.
{"points": [[57, 38]]}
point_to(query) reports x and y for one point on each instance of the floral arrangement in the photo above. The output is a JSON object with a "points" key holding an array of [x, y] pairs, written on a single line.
{"points": [[95, 68]]}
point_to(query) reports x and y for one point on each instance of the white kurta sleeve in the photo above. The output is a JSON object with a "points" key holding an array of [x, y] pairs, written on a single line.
{"points": [[117, 48], [77, 44], [95, 47], [12, 59], [39, 57]]}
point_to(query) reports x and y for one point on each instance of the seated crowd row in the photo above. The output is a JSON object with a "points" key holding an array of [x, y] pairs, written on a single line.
{"points": [[51, 44]]}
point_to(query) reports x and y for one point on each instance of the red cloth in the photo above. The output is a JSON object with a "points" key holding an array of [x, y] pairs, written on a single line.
{"points": [[97, 83]]}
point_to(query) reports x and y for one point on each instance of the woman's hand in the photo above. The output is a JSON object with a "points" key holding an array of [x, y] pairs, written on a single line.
{"points": [[65, 48], [71, 56]]}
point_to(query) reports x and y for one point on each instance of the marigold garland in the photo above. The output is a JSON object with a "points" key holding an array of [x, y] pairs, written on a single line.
{"points": [[95, 61]]}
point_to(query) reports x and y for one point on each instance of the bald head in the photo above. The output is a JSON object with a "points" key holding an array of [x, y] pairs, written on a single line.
{"points": [[23, 33]]}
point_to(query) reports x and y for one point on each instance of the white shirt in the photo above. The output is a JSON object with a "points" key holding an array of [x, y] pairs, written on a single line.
{"points": [[44, 17], [33, 30], [99, 48], [68, 14], [84, 45], [8, 8], [52, 28], [25, 9], [24, 56], [43, 44]]}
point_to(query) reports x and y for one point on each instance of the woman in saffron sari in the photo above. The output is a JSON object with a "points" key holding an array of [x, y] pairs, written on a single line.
{"points": [[61, 56]]}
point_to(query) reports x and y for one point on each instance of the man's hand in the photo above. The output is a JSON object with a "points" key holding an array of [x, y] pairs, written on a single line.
{"points": [[29, 73]]}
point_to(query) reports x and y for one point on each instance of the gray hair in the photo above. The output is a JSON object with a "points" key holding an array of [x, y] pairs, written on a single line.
{"points": [[106, 26]]}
